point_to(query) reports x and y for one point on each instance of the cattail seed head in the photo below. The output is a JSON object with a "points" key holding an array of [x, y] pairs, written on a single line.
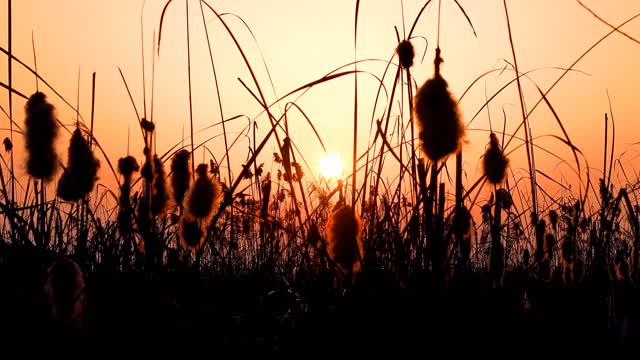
{"points": [[147, 125], [405, 54], [180, 175], [80, 176], [41, 130], [127, 166], [160, 196], [494, 162], [344, 230], [8, 145], [191, 234], [438, 120], [205, 195]]}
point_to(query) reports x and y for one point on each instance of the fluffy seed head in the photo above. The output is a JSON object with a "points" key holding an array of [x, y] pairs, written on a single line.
{"points": [[191, 234], [205, 195], [344, 230], [80, 176], [180, 175], [127, 166], [41, 130], [438, 120], [8, 145], [405, 53], [494, 162]]}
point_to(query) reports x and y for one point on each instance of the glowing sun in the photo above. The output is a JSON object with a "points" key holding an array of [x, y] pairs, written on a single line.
{"points": [[331, 166]]}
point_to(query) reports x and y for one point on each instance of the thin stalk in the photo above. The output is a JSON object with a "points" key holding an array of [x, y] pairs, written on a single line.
{"points": [[527, 135], [193, 160], [355, 109], [217, 87], [10, 65]]}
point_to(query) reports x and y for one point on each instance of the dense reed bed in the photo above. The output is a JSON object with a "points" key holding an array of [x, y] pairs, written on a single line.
{"points": [[186, 252]]}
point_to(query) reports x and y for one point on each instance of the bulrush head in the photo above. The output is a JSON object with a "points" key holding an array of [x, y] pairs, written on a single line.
{"points": [[437, 117], [80, 176], [41, 130], [180, 175], [127, 166], [160, 196], [8, 145], [405, 54], [494, 162], [191, 234], [344, 230], [205, 195]]}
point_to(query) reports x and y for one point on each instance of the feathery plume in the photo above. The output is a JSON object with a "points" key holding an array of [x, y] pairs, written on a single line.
{"points": [[8, 145], [344, 230], [494, 162], [437, 117], [405, 53], [205, 195], [80, 176], [191, 234], [41, 130]]}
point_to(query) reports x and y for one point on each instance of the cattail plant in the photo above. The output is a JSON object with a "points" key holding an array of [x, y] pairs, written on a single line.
{"points": [[41, 130], [441, 132], [494, 164], [344, 230], [80, 175]]}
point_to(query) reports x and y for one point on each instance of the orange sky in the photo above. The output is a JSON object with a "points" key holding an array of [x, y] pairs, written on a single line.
{"points": [[303, 40]]}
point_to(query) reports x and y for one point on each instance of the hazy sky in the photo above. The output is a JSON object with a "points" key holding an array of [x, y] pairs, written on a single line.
{"points": [[303, 40]]}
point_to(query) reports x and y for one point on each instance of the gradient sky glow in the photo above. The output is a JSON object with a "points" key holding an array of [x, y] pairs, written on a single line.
{"points": [[303, 40]]}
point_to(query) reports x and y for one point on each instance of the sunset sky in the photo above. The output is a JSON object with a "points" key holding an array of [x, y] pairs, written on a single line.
{"points": [[303, 40]]}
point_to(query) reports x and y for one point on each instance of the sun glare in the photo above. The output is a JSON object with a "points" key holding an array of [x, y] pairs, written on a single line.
{"points": [[331, 166]]}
